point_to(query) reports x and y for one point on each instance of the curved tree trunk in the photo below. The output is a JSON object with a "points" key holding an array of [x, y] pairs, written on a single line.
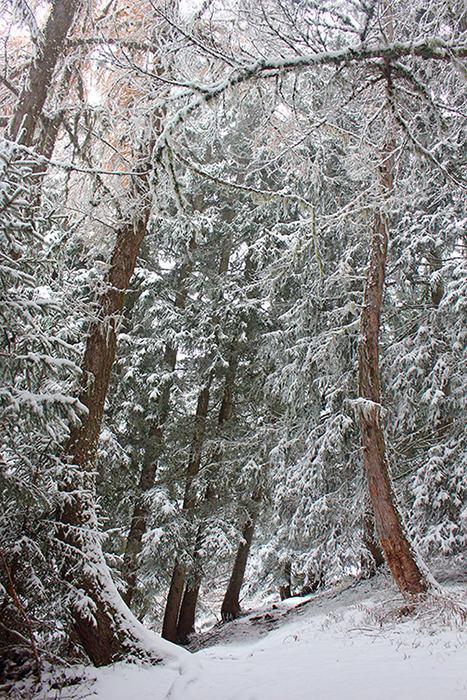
{"points": [[394, 543], [107, 629], [230, 609]]}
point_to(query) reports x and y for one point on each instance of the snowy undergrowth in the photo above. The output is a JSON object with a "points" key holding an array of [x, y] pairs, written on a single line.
{"points": [[358, 640]]}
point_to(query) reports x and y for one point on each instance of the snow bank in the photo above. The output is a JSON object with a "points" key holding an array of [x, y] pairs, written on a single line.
{"points": [[353, 644]]}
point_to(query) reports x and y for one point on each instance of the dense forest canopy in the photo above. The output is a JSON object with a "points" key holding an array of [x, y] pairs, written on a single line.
{"points": [[232, 303]]}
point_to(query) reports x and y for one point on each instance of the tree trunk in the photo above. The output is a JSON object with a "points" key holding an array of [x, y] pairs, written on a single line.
{"points": [[34, 95], [140, 514], [107, 629], [371, 543], [186, 624], [227, 399], [186, 619], [148, 471], [179, 625], [172, 606], [174, 597], [194, 461], [285, 590], [230, 609], [394, 543]]}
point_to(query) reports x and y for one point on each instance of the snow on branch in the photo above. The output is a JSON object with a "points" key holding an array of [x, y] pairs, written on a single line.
{"points": [[434, 48], [367, 407]]}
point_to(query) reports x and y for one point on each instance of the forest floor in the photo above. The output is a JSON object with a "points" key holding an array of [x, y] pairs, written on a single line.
{"points": [[359, 640]]}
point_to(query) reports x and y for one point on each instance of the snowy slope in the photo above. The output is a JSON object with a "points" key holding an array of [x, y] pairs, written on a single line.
{"points": [[353, 642]]}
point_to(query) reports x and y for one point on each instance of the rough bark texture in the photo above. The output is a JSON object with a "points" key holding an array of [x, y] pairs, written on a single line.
{"points": [[32, 98], [105, 633], [172, 606], [186, 619], [395, 546], [148, 470], [371, 543]]}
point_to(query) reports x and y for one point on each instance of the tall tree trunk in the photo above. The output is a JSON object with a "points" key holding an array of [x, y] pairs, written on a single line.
{"points": [[179, 623], [140, 514], [194, 461], [230, 609], [174, 597], [394, 543], [148, 470], [186, 619], [172, 606], [107, 629], [34, 95], [186, 623]]}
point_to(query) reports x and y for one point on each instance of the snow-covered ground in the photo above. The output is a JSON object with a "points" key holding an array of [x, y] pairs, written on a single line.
{"points": [[357, 641]]}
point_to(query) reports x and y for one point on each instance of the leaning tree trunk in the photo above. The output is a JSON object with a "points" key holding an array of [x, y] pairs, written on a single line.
{"points": [[394, 543], [230, 609], [148, 470], [186, 619], [34, 95]]}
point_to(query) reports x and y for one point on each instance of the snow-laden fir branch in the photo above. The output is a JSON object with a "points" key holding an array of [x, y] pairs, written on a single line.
{"points": [[434, 48]]}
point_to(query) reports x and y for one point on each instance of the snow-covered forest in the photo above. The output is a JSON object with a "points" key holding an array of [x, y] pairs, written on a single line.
{"points": [[233, 300]]}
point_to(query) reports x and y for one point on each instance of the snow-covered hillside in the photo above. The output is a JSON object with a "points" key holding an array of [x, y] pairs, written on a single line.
{"points": [[356, 641]]}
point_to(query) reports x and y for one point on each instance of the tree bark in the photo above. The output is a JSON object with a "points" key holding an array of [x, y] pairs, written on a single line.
{"points": [[186, 619], [230, 609], [170, 628], [194, 461], [394, 543], [371, 543], [186, 624], [107, 629], [172, 606], [34, 95]]}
